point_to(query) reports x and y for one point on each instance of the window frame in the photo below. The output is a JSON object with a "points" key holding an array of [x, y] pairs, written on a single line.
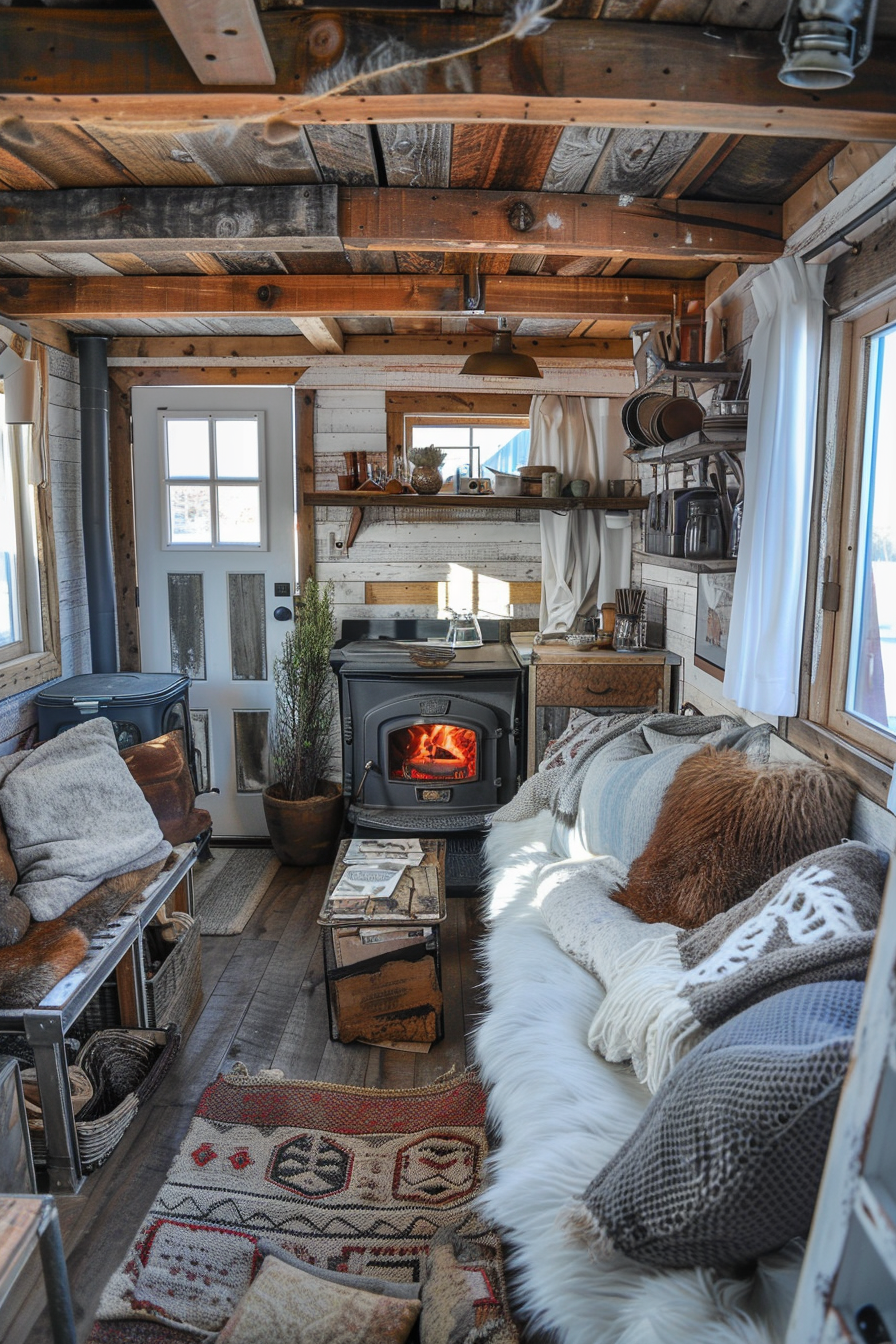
{"points": [[412, 422], [10, 461], [838, 556], [213, 481], [41, 661]]}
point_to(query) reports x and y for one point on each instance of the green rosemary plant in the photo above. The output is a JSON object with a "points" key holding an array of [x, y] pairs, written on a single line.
{"points": [[305, 696]]}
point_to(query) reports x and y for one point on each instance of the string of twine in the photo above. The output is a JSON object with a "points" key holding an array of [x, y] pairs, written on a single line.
{"points": [[527, 20]]}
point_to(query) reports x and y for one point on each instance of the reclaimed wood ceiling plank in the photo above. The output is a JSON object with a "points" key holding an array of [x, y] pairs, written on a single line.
{"points": [[315, 263], [234, 154], [17, 175], [780, 167], [221, 39], [707, 157], [371, 263], [251, 263], [510, 158], [154, 156], [640, 162], [62, 155], [575, 157], [526, 263], [420, 263], [416, 154], [344, 154]]}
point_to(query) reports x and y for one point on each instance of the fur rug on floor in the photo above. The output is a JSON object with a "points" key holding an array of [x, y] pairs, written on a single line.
{"points": [[561, 1113]]}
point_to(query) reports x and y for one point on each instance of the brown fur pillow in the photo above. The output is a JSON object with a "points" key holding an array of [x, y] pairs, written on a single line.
{"points": [[160, 768], [725, 827], [53, 947]]}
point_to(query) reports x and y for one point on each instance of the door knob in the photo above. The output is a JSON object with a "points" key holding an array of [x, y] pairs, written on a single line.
{"points": [[282, 614]]}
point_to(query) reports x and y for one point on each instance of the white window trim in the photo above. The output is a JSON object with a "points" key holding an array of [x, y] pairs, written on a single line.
{"points": [[213, 481]]}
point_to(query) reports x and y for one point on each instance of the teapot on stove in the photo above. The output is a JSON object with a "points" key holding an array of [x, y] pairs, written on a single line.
{"points": [[463, 631]]}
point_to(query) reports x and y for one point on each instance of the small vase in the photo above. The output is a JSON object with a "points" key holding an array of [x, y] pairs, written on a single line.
{"points": [[426, 480]]}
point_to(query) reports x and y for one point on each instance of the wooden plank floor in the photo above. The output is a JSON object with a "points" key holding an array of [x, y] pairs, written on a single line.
{"points": [[264, 1003]]}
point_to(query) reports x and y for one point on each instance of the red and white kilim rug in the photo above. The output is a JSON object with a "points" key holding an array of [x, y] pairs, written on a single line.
{"points": [[347, 1178]]}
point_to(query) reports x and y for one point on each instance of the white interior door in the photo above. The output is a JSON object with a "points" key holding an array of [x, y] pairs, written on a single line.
{"points": [[214, 490]]}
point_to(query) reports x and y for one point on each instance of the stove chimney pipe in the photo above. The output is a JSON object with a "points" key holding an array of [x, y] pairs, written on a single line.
{"points": [[100, 574]]}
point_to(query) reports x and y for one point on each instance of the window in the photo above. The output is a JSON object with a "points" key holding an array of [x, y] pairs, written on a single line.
{"points": [[472, 446], [213, 474], [854, 694], [29, 604]]}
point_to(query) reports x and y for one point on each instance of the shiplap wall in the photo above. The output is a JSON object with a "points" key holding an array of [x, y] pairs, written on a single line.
{"points": [[500, 545], [17, 713]]}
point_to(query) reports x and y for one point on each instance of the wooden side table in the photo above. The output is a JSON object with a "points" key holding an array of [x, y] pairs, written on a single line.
{"points": [[562, 678], [396, 994]]}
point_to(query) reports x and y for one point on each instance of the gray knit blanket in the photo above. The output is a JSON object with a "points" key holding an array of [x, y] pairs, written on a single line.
{"points": [[815, 921], [74, 815]]}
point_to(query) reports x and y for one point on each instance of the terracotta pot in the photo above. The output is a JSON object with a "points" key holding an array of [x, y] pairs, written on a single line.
{"points": [[426, 480], [305, 832]]}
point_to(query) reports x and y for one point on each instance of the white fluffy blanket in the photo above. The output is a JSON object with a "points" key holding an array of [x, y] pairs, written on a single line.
{"points": [[561, 1113]]}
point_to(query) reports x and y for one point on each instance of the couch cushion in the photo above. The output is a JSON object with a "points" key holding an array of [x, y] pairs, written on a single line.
{"points": [[725, 826], [74, 816], [626, 782], [726, 1163]]}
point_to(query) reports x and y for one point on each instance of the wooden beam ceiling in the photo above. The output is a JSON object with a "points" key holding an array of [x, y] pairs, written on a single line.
{"points": [[98, 298], [269, 348], [222, 40], [324, 334], [150, 220], [60, 66]]}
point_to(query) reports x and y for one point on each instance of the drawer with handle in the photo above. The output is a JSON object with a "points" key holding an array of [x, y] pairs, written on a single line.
{"points": [[595, 685]]}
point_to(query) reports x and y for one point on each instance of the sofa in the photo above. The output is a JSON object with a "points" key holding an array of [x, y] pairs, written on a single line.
{"points": [[564, 1112]]}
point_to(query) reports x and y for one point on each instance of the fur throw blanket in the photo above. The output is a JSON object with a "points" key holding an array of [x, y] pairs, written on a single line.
{"points": [[814, 921]]}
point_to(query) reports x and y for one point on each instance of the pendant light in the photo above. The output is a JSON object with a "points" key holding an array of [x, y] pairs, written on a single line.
{"points": [[824, 40], [502, 361]]}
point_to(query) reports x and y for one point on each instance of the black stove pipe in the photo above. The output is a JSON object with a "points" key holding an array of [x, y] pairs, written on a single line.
{"points": [[100, 573]]}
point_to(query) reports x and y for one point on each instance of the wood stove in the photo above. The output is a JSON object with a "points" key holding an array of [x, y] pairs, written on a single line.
{"points": [[430, 751]]}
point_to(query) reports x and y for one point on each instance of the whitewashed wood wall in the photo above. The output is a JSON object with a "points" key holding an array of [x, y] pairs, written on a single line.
{"points": [[17, 713], [413, 545]]}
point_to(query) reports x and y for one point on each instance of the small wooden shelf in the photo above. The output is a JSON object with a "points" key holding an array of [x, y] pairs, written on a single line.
{"points": [[363, 499], [679, 562]]}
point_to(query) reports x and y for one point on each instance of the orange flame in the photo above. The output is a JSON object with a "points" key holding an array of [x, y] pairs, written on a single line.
{"points": [[433, 751]]}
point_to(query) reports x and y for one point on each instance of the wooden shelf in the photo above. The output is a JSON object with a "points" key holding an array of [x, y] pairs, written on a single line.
{"points": [[688, 449], [363, 499], [678, 562]]}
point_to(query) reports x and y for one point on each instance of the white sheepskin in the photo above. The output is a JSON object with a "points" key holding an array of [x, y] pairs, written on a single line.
{"points": [[561, 1113]]}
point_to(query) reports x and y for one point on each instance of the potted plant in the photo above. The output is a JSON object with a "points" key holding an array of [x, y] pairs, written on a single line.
{"points": [[426, 478], [303, 809]]}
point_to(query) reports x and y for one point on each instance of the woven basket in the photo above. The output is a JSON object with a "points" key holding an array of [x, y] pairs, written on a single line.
{"points": [[173, 992], [125, 1067]]}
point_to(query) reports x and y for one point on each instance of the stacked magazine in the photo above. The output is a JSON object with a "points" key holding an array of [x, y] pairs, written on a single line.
{"points": [[386, 880]]}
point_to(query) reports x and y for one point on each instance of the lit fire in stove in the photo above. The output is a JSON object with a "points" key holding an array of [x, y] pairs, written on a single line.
{"points": [[433, 751]]}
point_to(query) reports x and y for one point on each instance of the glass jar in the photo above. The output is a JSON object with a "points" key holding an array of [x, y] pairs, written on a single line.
{"points": [[627, 632], [704, 536]]}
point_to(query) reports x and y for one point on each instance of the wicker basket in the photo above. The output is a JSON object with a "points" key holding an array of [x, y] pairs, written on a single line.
{"points": [[125, 1068], [174, 991]]}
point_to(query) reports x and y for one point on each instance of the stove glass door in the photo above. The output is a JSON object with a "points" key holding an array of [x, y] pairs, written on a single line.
{"points": [[434, 752]]}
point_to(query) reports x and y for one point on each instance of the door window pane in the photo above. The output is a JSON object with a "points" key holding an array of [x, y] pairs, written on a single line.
{"points": [[190, 514], [187, 443], [236, 448], [239, 515], [871, 689]]}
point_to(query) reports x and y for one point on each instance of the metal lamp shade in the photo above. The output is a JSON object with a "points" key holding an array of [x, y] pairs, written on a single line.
{"points": [[501, 361]]}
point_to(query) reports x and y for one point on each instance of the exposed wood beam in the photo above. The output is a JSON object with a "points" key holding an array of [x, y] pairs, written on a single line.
{"points": [[187, 296], [260, 348], [324, 334], [222, 40], [556, 223], [57, 66], [225, 220], [155, 220]]}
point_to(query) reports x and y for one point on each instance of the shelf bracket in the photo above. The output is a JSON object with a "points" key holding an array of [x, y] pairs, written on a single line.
{"points": [[342, 541]]}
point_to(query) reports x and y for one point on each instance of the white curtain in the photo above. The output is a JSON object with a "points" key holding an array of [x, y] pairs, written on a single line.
{"points": [[765, 636], [585, 554]]}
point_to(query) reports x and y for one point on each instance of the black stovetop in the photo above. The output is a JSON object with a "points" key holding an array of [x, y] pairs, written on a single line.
{"points": [[374, 646]]}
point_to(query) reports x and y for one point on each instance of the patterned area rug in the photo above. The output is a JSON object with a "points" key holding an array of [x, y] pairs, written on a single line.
{"points": [[228, 889], [346, 1178]]}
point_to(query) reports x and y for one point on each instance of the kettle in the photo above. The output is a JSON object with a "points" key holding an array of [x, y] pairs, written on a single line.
{"points": [[463, 631]]}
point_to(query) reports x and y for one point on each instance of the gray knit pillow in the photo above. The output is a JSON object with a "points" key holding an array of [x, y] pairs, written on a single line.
{"points": [[726, 1162]]}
